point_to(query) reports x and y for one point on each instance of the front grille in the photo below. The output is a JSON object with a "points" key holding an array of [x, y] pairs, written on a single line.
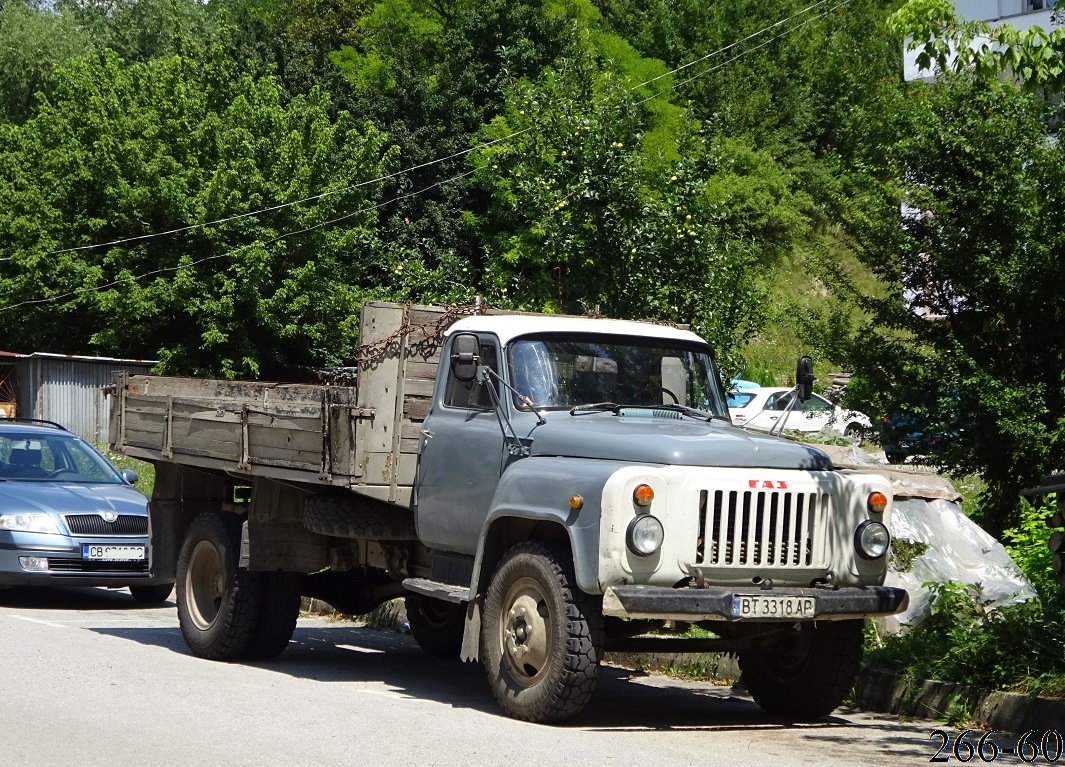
{"points": [[94, 524], [137, 567], [762, 528]]}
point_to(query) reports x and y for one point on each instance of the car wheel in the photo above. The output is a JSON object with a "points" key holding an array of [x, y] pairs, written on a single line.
{"points": [[151, 595], [855, 433]]}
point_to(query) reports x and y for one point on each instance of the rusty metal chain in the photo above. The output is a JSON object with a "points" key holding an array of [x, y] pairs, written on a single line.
{"points": [[430, 330]]}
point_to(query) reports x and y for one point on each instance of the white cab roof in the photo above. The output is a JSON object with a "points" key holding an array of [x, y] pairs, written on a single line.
{"points": [[510, 326]]}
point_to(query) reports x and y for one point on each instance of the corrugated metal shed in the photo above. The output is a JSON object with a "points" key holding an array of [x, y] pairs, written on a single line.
{"points": [[69, 390]]}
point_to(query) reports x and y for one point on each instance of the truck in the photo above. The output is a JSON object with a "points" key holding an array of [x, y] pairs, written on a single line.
{"points": [[540, 489]]}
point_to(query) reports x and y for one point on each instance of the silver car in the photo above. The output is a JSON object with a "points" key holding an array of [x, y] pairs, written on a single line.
{"points": [[68, 517]]}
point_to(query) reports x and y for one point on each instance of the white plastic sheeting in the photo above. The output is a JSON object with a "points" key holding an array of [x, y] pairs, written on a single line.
{"points": [[958, 550]]}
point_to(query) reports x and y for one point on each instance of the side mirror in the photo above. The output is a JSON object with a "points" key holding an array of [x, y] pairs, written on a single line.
{"points": [[465, 356], [129, 475], [804, 378]]}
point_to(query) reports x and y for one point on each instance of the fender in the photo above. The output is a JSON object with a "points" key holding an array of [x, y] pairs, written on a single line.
{"points": [[538, 490], [532, 491]]}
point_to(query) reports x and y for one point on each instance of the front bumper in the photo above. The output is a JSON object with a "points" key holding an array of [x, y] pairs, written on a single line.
{"points": [[716, 603], [66, 567]]}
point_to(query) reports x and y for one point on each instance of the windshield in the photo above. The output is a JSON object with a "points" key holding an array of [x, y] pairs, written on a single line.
{"points": [[44, 457], [564, 371]]}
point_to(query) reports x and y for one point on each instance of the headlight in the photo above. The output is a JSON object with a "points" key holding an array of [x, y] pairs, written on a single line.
{"points": [[645, 535], [30, 523], [871, 539]]}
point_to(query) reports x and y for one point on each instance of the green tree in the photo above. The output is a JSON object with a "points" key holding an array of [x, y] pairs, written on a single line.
{"points": [[978, 247], [607, 198], [32, 43], [123, 150]]}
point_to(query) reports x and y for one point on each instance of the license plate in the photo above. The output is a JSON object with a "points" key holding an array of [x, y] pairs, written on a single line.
{"points": [[744, 606], [105, 553]]}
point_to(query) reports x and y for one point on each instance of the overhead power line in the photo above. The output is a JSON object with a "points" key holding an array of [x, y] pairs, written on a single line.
{"points": [[454, 155], [430, 163]]}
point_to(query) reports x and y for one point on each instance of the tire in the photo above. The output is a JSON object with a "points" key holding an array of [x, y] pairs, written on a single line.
{"points": [[219, 605], [541, 637], [277, 622], [896, 458], [436, 625], [808, 674], [151, 595], [855, 433]]}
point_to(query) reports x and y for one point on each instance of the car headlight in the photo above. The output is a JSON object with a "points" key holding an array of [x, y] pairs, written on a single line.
{"points": [[30, 523], [871, 539], [645, 535]]}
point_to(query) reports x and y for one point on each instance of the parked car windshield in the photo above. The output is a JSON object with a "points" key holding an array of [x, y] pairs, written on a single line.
{"points": [[43, 457], [563, 371]]}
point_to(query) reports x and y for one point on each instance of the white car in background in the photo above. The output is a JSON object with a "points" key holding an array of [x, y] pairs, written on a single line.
{"points": [[762, 409]]}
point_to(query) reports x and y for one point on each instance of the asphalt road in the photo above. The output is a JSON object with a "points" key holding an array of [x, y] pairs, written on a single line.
{"points": [[87, 677]]}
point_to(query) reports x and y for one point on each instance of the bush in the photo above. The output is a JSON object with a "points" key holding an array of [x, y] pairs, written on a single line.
{"points": [[1019, 648]]}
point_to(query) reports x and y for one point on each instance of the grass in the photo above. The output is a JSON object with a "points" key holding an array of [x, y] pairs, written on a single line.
{"points": [[145, 471]]}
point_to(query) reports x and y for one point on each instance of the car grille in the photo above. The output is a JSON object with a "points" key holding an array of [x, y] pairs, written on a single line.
{"points": [[94, 524], [762, 528], [58, 565]]}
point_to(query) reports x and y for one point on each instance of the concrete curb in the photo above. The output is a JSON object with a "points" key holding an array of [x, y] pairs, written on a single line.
{"points": [[891, 693]]}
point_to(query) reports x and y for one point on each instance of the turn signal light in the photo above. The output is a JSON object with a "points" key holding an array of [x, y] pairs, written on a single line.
{"points": [[877, 502], [643, 495]]}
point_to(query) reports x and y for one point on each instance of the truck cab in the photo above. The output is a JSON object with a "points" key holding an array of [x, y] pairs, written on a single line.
{"points": [[611, 442]]}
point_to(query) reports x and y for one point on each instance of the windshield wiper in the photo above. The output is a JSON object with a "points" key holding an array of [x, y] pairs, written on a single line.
{"points": [[593, 406], [702, 415]]}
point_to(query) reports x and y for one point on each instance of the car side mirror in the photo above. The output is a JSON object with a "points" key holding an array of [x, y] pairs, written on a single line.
{"points": [[465, 356], [804, 378], [129, 476]]}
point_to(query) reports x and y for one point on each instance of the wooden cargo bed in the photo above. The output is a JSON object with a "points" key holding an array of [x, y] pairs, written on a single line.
{"points": [[364, 437]]}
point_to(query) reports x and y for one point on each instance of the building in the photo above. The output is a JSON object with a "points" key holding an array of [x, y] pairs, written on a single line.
{"points": [[66, 389], [1020, 14]]}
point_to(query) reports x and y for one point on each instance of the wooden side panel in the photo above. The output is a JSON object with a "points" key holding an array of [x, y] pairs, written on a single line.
{"points": [[365, 436], [244, 423]]}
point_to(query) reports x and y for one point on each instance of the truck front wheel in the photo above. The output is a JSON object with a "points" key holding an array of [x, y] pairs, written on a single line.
{"points": [[219, 605], [808, 673], [542, 637]]}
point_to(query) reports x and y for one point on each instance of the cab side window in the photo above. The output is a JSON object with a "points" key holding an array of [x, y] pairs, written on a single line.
{"points": [[473, 395]]}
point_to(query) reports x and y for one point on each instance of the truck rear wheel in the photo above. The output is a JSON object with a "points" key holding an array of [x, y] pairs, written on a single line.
{"points": [[436, 625], [542, 637], [280, 611], [219, 605], [807, 674]]}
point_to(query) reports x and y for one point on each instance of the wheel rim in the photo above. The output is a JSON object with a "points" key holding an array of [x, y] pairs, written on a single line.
{"points": [[205, 584], [526, 631]]}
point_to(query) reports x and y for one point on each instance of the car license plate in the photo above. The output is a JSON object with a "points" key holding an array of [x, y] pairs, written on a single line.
{"points": [[745, 606], [106, 553]]}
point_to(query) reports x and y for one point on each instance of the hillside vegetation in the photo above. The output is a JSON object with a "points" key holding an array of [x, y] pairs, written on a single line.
{"points": [[220, 185]]}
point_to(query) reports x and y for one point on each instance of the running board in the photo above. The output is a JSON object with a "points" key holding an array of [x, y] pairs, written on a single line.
{"points": [[448, 592]]}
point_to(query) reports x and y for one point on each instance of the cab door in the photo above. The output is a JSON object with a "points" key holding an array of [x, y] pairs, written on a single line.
{"points": [[461, 457]]}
